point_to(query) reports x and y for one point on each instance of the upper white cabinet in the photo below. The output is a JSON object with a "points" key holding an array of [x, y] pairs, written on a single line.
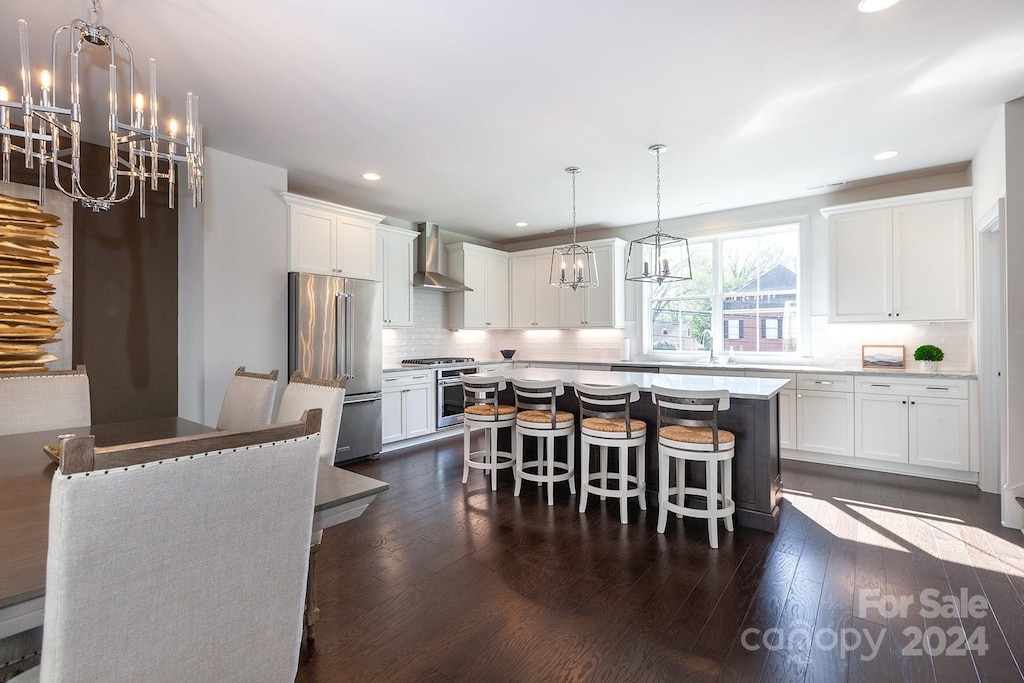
{"points": [[604, 305], [330, 239], [485, 271], [904, 259], [534, 302], [395, 259]]}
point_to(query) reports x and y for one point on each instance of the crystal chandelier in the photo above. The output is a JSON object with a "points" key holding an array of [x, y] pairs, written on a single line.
{"points": [[652, 252], [573, 265], [49, 131]]}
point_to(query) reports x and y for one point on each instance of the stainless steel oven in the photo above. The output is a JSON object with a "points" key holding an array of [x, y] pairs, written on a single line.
{"points": [[451, 401]]}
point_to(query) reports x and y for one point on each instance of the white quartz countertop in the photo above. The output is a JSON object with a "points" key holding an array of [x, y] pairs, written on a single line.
{"points": [[739, 387], [766, 367]]}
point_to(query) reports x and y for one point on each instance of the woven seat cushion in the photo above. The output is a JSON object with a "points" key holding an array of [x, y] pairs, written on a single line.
{"points": [[698, 435], [489, 410], [542, 416], [617, 424]]}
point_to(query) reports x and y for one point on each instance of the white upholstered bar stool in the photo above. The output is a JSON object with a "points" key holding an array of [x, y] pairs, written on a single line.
{"points": [[688, 431], [538, 416], [605, 422], [484, 412]]}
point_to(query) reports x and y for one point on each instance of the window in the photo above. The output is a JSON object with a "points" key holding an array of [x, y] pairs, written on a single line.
{"points": [[744, 284]]}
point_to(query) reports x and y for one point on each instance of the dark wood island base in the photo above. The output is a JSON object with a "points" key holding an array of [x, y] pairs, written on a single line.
{"points": [[757, 475]]}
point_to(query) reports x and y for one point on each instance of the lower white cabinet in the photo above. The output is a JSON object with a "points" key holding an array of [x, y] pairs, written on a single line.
{"points": [[787, 405], [407, 405], [914, 421], [882, 427], [940, 433], [787, 418], [825, 414]]}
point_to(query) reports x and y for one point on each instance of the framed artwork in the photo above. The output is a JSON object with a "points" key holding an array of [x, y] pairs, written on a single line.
{"points": [[883, 356]]}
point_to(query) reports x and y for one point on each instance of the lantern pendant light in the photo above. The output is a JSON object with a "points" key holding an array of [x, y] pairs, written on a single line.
{"points": [[574, 265], [655, 254]]}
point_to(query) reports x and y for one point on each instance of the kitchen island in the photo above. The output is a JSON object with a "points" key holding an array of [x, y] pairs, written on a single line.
{"points": [[753, 416]]}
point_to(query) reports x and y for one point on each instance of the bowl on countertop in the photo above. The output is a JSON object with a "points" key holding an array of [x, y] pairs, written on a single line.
{"points": [[507, 353]]}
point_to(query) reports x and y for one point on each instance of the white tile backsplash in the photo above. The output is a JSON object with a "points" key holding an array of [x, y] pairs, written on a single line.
{"points": [[835, 344]]}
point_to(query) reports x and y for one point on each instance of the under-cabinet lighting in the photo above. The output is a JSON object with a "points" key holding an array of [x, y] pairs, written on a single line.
{"points": [[887, 154]]}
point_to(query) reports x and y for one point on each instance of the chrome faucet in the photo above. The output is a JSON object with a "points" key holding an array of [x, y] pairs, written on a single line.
{"points": [[706, 337]]}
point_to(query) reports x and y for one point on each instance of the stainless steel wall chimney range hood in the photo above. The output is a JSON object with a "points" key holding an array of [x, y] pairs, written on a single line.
{"points": [[428, 252]]}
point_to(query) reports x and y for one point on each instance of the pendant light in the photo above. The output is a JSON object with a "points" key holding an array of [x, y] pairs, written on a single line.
{"points": [[573, 265], [652, 252]]}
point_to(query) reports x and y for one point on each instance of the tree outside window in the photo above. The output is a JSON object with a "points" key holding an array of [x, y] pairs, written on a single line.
{"points": [[747, 280]]}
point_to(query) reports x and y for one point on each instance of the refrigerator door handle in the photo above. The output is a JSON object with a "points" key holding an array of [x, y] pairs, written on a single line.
{"points": [[343, 330]]}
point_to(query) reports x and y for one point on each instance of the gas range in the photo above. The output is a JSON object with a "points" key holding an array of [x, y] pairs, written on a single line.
{"points": [[444, 360]]}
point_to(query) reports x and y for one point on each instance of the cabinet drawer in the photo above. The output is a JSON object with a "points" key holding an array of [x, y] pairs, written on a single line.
{"points": [[404, 379], [493, 367], [938, 388], [842, 383]]}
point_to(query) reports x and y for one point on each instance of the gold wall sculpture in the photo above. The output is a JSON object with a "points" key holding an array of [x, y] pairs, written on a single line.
{"points": [[28, 319]]}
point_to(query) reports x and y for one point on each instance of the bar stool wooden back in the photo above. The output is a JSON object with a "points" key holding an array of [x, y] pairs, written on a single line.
{"points": [[483, 411], [539, 416], [688, 431], [605, 422]]}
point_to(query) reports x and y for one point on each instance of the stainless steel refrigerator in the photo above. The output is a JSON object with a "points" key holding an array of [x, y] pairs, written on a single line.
{"points": [[334, 329]]}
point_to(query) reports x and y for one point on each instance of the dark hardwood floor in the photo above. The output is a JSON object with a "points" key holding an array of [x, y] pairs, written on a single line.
{"points": [[444, 581]]}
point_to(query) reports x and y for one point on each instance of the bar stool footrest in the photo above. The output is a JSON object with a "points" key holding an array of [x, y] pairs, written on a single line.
{"points": [[482, 460]]}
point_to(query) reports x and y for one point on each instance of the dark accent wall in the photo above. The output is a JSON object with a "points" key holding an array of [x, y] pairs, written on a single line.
{"points": [[125, 299]]}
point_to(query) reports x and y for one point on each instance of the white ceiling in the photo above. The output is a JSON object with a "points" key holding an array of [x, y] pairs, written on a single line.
{"points": [[471, 110]]}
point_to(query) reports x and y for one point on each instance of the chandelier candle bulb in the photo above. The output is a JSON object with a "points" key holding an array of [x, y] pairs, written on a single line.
{"points": [[26, 86]]}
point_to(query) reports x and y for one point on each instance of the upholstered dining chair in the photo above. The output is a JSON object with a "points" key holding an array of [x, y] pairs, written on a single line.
{"points": [[211, 589], [248, 401], [35, 401], [301, 394]]}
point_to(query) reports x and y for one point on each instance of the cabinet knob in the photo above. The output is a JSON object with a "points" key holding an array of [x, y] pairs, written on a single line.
{"points": [[904, 403], [913, 403], [890, 315]]}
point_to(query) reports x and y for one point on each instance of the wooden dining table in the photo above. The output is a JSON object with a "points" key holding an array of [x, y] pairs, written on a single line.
{"points": [[25, 475]]}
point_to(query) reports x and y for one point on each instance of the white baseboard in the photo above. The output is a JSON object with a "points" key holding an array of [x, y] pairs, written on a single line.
{"points": [[881, 466]]}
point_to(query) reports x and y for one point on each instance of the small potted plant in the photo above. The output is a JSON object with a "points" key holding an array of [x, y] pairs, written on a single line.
{"points": [[929, 356]]}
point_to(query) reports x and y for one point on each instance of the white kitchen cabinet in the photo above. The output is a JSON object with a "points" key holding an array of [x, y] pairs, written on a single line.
{"points": [[882, 427], [407, 405], [914, 421], [604, 305], [486, 272], [787, 405], [940, 433], [903, 259], [825, 414], [534, 302], [395, 260], [330, 239]]}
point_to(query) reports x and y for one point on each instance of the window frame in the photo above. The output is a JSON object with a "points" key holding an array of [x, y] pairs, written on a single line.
{"points": [[719, 343]]}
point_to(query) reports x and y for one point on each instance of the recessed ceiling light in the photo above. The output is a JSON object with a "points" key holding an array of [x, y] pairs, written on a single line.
{"points": [[887, 154], [706, 205], [370, 175], [521, 224], [869, 6]]}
